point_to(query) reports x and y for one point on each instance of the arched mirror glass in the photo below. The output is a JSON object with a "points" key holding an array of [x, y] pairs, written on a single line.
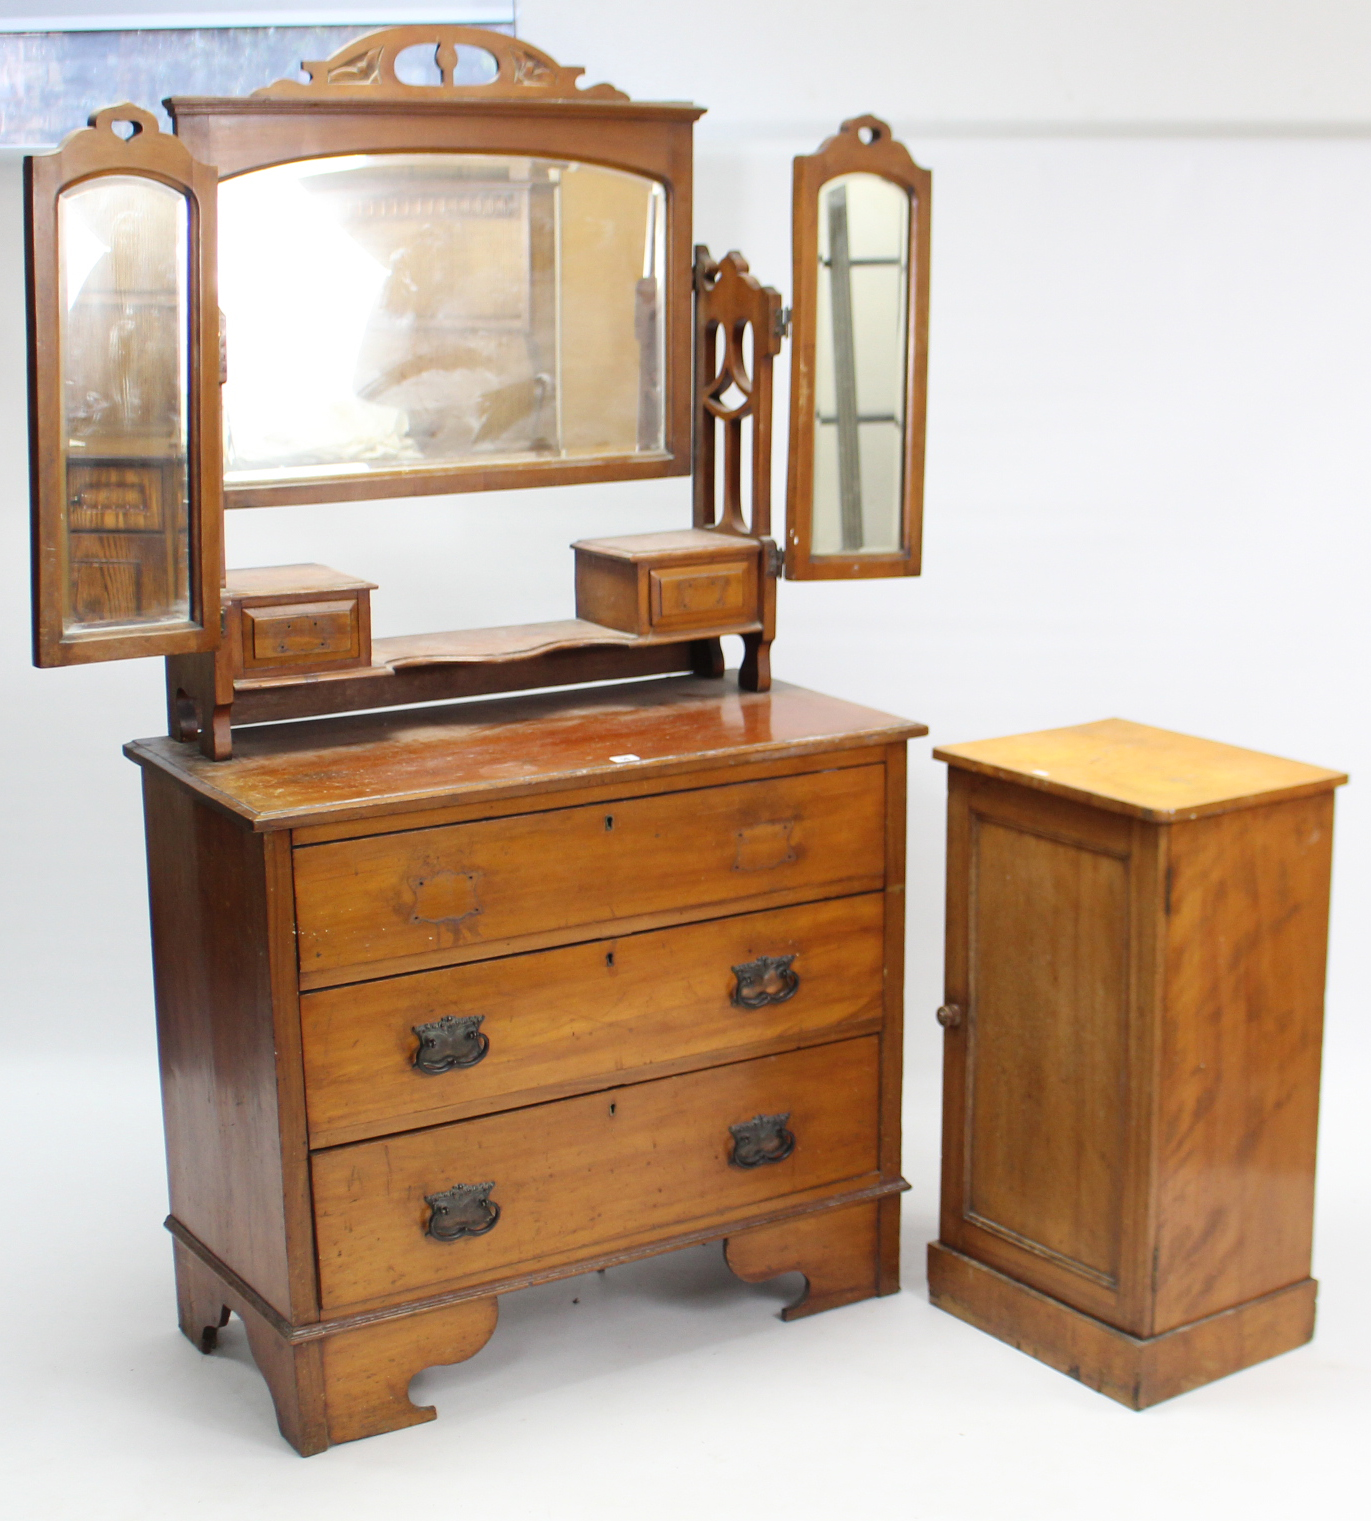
{"points": [[861, 347], [401, 313], [858, 361], [123, 301]]}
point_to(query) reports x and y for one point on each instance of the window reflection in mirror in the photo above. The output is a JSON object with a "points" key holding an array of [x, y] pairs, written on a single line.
{"points": [[124, 272], [861, 360], [398, 312]]}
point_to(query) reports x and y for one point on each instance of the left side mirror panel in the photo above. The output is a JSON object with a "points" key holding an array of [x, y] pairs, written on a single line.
{"points": [[125, 457]]}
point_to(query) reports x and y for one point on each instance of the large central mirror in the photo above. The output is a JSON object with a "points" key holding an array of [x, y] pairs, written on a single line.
{"points": [[406, 312]]}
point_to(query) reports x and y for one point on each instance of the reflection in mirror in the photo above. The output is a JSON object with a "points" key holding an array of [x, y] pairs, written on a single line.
{"points": [[414, 312], [861, 355], [125, 386]]}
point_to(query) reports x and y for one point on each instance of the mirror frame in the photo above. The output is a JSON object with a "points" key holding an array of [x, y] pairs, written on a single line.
{"points": [[86, 155], [849, 151], [533, 107]]}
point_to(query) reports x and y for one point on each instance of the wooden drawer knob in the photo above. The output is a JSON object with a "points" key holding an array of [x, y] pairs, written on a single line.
{"points": [[768, 979], [950, 1016], [450, 1042], [760, 1140], [465, 1209]]}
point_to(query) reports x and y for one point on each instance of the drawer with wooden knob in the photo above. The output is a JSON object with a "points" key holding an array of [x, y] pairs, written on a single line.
{"points": [[468, 1203], [429, 897], [399, 1052]]}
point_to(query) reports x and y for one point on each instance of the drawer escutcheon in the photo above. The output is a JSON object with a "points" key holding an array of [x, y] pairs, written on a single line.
{"points": [[465, 1209], [450, 1042]]}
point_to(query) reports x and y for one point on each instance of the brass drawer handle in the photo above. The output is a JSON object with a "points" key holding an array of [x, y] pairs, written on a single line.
{"points": [[450, 1042], [950, 1016], [760, 1140], [769, 979], [465, 1209]]}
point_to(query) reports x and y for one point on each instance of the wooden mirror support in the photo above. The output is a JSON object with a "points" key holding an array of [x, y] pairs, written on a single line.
{"points": [[124, 450], [849, 380]]}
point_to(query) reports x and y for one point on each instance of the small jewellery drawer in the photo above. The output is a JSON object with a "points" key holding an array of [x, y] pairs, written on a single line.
{"points": [[398, 1052], [467, 1203], [400, 902]]}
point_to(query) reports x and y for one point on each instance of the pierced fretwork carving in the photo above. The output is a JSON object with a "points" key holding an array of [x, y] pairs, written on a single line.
{"points": [[729, 301], [368, 64]]}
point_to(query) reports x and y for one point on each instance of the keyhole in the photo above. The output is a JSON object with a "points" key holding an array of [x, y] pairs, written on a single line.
{"points": [[609, 822], [609, 958], [612, 1108]]}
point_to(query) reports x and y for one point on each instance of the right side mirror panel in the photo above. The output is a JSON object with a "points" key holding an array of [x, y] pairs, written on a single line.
{"points": [[859, 364]]}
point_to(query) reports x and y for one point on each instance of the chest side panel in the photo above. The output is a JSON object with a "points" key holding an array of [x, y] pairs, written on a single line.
{"points": [[228, 1043], [1241, 1050]]}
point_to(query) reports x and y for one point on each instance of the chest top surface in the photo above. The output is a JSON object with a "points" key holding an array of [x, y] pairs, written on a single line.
{"points": [[373, 763], [1152, 774]]}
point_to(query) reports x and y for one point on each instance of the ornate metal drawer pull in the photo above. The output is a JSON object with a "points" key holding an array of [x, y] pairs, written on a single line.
{"points": [[769, 979], [465, 1209], [452, 1041], [760, 1140]]}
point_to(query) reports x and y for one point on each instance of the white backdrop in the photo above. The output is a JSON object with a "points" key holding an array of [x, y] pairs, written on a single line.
{"points": [[1148, 476]]}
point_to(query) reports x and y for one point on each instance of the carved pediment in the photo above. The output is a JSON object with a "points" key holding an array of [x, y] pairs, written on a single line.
{"points": [[366, 69]]}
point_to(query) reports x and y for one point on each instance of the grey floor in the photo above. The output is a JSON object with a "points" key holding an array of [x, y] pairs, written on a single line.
{"points": [[662, 1389]]}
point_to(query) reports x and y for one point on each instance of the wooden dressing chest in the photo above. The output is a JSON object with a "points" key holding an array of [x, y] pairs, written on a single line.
{"points": [[457, 1000]]}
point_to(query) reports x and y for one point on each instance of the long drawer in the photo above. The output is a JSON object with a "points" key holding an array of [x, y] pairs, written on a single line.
{"points": [[429, 896], [608, 1169], [400, 1052]]}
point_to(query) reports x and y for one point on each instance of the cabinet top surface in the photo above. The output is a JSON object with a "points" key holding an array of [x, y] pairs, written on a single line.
{"points": [[375, 763], [1130, 768]]}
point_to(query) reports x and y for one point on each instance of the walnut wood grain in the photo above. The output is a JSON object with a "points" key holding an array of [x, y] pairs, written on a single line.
{"points": [[232, 1089], [1136, 1371], [365, 904], [837, 1251], [367, 1372], [377, 764], [1131, 1086], [1240, 1045], [623, 1165], [1152, 774], [584, 1016]]}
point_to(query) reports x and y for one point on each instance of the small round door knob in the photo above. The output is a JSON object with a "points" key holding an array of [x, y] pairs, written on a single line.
{"points": [[950, 1016]]}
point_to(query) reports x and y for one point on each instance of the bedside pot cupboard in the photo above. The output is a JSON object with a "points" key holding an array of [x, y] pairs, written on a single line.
{"points": [[455, 1001]]}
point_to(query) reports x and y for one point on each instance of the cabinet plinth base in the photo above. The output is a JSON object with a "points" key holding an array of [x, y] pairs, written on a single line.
{"points": [[1136, 1371]]}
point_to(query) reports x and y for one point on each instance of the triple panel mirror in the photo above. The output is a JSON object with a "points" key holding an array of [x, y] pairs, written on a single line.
{"points": [[296, 300]]}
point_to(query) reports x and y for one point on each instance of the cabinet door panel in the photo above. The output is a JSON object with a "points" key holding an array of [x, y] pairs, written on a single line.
{"points": [[1045, 1073]]}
